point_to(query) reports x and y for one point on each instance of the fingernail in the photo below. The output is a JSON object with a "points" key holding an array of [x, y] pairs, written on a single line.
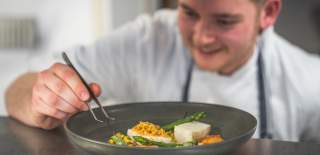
{"points": [[84, 96]]}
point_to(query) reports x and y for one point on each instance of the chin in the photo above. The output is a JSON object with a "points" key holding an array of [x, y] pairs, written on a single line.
{"points": [[207, 66], [209, 61], [204, 63]]}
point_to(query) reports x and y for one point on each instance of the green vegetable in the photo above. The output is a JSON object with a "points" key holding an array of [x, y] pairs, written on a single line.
{"points": [[194, 117], [146, 141], [118, 140], [216, 131], [192, 143]]}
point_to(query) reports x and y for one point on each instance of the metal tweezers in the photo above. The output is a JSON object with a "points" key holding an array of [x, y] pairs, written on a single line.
{"points": [[92, 96]]}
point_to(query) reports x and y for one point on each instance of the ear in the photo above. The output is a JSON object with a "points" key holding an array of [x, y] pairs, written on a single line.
{"points": [[269, 13]]}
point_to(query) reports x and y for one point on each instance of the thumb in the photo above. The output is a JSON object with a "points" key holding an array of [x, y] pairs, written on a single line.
{"points": [[96, 89]]}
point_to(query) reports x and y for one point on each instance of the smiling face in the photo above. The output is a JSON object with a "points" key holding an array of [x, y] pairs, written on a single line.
{"points": [[221, 34]]}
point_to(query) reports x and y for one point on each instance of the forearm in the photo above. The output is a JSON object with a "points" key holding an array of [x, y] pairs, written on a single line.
{"points": [[18, 97]]}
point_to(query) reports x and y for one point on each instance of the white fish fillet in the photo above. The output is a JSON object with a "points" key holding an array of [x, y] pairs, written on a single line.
{"points": [[188, 132]]}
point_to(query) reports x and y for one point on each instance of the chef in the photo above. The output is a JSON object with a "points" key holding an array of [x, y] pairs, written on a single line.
{"points": [[214, 51]]}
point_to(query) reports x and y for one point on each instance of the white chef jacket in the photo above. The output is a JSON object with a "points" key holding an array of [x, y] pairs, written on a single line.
{"points": [[146, 60]]}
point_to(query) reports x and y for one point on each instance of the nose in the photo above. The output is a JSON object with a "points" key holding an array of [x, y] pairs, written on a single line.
{"points": [[204, 34]]}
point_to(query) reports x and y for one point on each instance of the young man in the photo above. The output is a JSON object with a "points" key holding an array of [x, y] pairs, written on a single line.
{"points": [[216, 51]]}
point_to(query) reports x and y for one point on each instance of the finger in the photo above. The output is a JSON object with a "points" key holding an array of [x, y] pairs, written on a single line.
{"points": [[72, 79], [50, 123], [61, 88], [44, 109], [40, 120], [53, 100], [45, 122], [96, 89]]}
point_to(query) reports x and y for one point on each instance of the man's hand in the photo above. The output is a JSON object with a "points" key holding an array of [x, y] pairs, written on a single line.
{"points": [[57, 93]]}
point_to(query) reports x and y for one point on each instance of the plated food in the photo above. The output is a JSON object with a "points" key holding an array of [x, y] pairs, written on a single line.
{"points": [[236, 128], [188, 131]]}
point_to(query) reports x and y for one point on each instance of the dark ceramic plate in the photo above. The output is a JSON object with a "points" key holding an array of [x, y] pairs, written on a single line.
{"points": [[237, 127]]}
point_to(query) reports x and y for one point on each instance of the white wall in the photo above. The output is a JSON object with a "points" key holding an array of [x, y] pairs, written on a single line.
{"points": [[61, 23]]}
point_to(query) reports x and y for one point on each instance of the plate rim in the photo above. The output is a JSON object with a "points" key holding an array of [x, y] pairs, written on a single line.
{"points": [[245, 134]]}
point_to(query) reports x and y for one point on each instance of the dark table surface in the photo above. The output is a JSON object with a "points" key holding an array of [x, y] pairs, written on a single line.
{"points": [[18, 139]]}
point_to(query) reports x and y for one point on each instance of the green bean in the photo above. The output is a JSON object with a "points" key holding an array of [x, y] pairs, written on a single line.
{"points": [[192, 143], [146, 141], [194, 117], [118, 140]]}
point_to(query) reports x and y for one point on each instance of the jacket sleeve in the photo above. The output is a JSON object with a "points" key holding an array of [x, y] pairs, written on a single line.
{"points": [[126, 58]]}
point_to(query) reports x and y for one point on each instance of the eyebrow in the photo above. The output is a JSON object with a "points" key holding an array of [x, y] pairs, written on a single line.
{"points": [[228, 16], [185, 6], [217, 15]]}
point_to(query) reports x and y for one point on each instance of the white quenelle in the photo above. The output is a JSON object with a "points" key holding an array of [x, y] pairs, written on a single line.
{"points": [[188, 132]]}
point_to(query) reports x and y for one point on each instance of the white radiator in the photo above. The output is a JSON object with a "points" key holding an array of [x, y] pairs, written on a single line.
{"points": [[17, 32]]}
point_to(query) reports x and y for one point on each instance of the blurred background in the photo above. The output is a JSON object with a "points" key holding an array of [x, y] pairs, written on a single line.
{"points": [[29, 28]]}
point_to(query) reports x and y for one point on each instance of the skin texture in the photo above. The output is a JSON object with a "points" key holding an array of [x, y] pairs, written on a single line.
{"points": [[221, 34], [46, 99], [227, 29]]}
